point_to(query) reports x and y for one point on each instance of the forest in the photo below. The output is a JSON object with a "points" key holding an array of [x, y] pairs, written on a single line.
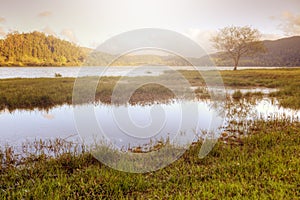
{"points": [[38, 49]]}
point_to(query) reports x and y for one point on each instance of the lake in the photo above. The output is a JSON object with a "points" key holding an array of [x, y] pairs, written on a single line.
{"points": [[49, 72]]}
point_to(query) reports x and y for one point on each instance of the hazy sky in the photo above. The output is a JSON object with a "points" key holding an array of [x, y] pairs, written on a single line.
{"points": [[90, 22]]}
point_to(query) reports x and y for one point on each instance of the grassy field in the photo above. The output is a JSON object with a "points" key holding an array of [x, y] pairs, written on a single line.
{"points": [[47, 92], [265, 165]]}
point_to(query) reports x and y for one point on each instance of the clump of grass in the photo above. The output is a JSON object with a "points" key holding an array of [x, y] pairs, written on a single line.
{"points": [[57, 75], [202, 93], [253, 94], [237, 95]]}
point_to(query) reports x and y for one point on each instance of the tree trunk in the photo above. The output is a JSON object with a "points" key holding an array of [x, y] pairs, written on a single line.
{"points": [[236, 62]]}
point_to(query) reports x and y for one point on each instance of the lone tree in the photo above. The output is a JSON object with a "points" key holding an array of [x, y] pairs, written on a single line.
{"points": [[236, 41]]}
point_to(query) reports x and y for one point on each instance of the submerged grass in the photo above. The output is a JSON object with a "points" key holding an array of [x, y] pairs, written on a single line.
{"points": [[47, 92], [265, 165], [286, 80]]}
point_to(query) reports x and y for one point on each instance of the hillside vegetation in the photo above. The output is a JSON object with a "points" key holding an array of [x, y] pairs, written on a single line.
{"points": [[37, 49]]}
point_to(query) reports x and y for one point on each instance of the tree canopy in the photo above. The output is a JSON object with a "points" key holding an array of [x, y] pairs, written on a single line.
{"points": [[236, 41], [38, 49]]}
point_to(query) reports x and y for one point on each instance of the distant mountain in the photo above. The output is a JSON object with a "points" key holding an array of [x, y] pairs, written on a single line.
{"points": [[103, 59], [282, 52], [37, 49]]}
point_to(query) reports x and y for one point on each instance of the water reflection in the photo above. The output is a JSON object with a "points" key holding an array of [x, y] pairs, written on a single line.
{"points": [[21, 125]]}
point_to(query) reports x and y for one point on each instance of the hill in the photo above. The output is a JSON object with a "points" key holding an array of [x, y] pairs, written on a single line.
{"points": [[103, 59], [282, 52], [37, 49]]}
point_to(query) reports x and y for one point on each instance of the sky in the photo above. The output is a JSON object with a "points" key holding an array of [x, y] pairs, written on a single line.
{"points": [[91, 22]]}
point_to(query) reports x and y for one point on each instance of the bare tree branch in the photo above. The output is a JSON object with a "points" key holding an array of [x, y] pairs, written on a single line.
{"points": [[238, 41]]}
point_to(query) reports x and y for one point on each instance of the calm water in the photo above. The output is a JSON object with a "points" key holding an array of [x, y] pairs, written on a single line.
{"points": [[38, 72], [158, 121], [21, 125]]}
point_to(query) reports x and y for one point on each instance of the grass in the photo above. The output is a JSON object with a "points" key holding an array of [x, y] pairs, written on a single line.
{"points": [[47, 92], [265, 165], [237, 94], [286, 80], [30, 93]]}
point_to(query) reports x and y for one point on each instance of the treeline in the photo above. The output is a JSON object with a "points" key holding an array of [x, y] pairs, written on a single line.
{"points": [[38, 49]]}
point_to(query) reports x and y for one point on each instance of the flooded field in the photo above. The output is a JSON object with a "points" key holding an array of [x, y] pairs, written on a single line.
{"points": [[155, 122]]}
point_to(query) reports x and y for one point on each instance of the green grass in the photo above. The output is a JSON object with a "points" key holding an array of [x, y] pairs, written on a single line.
{"points": [[30, 93], [287, 81], [265, 165], [47, 92]]}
